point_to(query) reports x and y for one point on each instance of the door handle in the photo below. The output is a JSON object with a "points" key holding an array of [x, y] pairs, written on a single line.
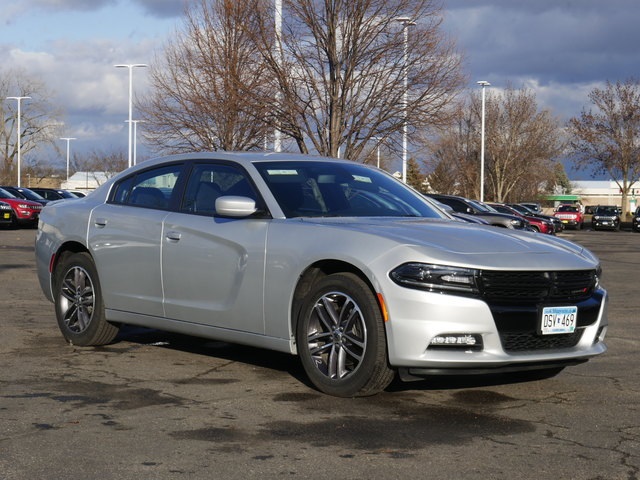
{"points": [[100, 222], [173, 236]]}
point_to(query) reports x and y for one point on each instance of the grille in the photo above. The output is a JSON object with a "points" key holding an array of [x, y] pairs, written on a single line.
{"points": [[515, 299], [534, 287], [522, 341]]}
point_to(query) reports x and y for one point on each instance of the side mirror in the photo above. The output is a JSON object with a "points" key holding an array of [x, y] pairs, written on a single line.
{"points": [[233, 206]]}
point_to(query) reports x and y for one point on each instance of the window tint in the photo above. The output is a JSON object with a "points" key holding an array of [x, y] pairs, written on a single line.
{"points": [[149, 189], [606, 211], [320, 189], [207, 182], [567, 208]]}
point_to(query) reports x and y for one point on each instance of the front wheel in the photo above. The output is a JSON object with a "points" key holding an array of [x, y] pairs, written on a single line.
{"points": [[341, 338], [78, 302]]}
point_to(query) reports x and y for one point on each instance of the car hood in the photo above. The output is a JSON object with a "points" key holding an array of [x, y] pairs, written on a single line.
{"points": [[473, 245]]}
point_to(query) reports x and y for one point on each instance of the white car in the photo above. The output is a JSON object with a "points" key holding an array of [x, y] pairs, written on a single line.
{"points": [[330, 260]]}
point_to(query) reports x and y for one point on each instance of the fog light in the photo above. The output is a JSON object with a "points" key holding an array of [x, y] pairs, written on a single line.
{"points": [[457, 340]]}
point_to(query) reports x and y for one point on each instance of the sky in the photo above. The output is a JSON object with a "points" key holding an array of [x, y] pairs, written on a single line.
{"points": [[560, 49]]}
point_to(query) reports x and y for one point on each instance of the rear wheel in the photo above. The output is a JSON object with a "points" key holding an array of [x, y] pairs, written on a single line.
{"points": [[341, 338], [78, 302]]}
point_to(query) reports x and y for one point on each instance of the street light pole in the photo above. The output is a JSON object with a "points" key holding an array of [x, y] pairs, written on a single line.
{"points": [[135, 139], [277, 134], [406, 22], [130, 66], [18, 99], [377, 140], [483, 84], [68, 139]]}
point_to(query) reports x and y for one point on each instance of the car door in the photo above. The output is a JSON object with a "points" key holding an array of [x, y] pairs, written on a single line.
{"points": [[125, 237], [213, 267]]}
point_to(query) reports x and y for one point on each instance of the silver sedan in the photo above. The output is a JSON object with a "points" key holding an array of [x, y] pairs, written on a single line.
{"points": [[330, 260]]}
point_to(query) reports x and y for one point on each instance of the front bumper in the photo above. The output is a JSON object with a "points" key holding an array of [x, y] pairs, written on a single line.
{"points": [[569, 222], [605, 223], [6, 217], [509, 337]]}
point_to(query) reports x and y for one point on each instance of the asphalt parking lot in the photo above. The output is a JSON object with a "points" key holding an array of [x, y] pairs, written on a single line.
{"points": [[160, 406]]}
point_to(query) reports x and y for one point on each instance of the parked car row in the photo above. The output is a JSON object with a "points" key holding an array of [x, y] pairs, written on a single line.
{"points": [[465, 206], [25, 204], [511, 215], [603, 217]]}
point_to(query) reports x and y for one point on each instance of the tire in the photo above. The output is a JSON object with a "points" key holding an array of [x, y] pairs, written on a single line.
{"points": [[341, 338], [79, 303]]}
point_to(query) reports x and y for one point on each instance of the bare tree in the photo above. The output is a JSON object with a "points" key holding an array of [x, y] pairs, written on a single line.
{"points": [[39, 120], [106, 163], [341, 69], [608, 139], [198, 101], [454, 158], [522, 144]]}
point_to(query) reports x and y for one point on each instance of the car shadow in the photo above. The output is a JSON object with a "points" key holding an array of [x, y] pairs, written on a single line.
{"points": [[257, 357], [290, 364]]}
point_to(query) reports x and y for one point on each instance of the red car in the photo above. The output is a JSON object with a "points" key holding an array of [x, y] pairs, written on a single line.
{"points": [[570, 215], [26, 211]]}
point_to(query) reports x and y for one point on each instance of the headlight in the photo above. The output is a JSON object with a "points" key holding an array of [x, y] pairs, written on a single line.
{"points": [[436, 278], [596, 217], [598, 275], [515, 222], [23, 205]]}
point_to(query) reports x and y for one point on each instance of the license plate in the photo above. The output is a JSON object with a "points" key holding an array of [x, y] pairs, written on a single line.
{"points": [[558, 320]]}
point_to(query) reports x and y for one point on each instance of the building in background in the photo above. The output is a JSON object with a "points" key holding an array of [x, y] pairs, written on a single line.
{"points": [[85, 181]]}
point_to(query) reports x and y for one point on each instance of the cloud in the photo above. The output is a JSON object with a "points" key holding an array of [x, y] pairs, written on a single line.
{"points": [[10, 13], [563, 46], [163, 8]]}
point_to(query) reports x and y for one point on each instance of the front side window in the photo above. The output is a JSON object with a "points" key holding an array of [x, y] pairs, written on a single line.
{"points": [[207, 182], [148, 189]]}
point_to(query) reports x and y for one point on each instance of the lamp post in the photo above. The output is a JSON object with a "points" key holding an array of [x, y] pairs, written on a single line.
{"points": [[483, 84], [377, 140], [135, 139], [68, 139], [406, 22], [130, 66], [18, 99], [277, 134]]}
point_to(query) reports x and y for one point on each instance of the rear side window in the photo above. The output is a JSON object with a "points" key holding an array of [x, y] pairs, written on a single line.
{"points": [[148, 189]]}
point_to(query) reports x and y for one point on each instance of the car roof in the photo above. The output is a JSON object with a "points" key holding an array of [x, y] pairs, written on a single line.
{"points": [[241, 157]]}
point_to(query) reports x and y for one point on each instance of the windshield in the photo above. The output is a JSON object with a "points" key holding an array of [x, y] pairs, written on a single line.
{"points": [[482, 207], [332, 189], [5, 194], [606, 211], [567, 208], [29, 195], [522, 209]]}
